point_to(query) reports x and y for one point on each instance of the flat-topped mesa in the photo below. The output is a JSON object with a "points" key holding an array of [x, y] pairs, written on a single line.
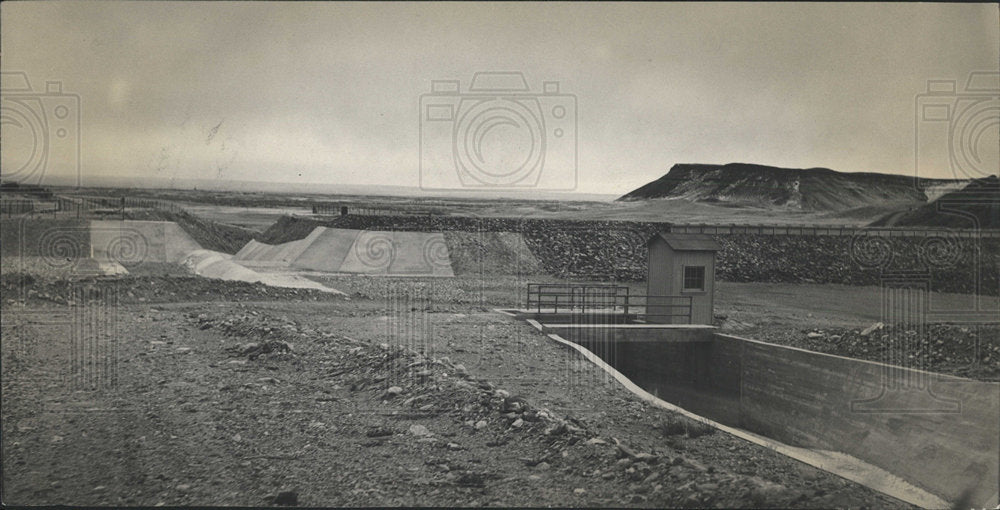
{"points": [[761, 186]]}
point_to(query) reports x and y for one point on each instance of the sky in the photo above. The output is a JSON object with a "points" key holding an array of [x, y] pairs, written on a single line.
{"points": [[331, 93]]}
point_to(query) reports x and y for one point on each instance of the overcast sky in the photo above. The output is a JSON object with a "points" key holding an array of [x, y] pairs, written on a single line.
{"points": [[330, 93]]}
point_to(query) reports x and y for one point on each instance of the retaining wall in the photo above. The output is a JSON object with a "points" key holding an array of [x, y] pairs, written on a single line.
{"points": [[938, 432], [50, 239], [127, 242]]}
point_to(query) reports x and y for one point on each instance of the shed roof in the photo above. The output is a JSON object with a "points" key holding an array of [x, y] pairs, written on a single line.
{"points": [[688, 242]]}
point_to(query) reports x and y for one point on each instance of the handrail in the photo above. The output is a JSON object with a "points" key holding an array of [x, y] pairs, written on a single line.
{"points": [[579, 298]]}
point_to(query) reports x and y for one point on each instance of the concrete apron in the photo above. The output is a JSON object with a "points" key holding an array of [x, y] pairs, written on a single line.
{"points": [[840, 464]]}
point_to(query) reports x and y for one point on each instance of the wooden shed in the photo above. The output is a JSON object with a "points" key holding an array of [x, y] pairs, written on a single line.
{"points": [[680, 283]]}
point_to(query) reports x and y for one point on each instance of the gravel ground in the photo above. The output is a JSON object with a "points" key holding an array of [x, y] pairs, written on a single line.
{"points": [[369, 402]]}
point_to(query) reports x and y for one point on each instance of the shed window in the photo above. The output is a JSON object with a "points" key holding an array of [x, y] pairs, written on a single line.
{"points": [[694, 278]]}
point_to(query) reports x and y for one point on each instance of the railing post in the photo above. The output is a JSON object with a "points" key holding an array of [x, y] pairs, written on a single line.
{"points": [[626, 303]]}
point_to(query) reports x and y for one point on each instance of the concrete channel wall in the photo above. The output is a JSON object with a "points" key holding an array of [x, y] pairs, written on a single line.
{"points": [[937, 432]]}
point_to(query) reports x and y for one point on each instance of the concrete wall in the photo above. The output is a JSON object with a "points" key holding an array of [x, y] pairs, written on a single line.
{"points": [[49, 239], [133, 242], [623, 334], [938, 432]]}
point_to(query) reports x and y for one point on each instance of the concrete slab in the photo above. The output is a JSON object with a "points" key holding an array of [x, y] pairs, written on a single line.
{"points": [[419, 254], [56, 240], [178, 242], [372, 253], [131, 242], [275, 255], [213, 264], [326, 250], [335, 250]]}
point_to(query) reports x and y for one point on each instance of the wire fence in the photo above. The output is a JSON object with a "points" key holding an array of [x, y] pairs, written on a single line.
{"points": [[77, 205], [344, 210]]}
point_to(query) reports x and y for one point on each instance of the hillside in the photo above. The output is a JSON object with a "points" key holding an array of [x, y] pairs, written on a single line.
{"points": [[749, 185], [980, 199]]}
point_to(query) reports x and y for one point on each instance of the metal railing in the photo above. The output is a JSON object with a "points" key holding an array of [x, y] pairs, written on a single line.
{"points": [[605, 298], [573, 297]]}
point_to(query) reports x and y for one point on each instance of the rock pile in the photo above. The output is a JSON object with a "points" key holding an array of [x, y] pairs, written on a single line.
{"points": [[967, 351], [26, 289], [617, 250]]}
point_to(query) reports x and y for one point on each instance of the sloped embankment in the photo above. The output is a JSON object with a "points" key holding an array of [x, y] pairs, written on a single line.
{"points": [[472, 248], [209, 234], [606, 249], [977, 205], [474, 253]]}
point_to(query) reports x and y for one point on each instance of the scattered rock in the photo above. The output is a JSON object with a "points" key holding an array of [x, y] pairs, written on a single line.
{"points": [[419, 430], [379, 431], [873, 328], [514, 405], [481, 424], [556, 429]]}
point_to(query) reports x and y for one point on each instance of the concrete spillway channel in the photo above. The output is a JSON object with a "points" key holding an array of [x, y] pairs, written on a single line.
{"points": [[926, 439]]}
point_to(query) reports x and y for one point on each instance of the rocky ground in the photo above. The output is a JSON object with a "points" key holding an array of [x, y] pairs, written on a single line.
{"points": [[272, 397], [962, 350]]}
